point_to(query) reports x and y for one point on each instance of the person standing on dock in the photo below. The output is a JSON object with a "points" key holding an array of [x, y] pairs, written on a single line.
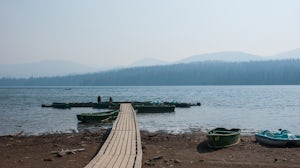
{"points": [[110, 99], [99, 99]]}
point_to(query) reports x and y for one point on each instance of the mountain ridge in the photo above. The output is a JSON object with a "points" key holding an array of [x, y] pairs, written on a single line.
{"points": [[44, 68], [295, 54], [227, 56], [148, 62], [271, 72], [64, 67]]}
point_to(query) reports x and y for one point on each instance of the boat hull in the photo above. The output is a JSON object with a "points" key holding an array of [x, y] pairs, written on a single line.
{"points": [[97, 117], [181, 105], [271, 141], [103, 105], [88, 104], [297, 140], [222, 138], [61, 105], [279, 139], [155, 108]]}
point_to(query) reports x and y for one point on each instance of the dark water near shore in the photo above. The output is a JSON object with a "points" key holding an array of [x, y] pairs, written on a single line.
{"points": [[251, 108]]}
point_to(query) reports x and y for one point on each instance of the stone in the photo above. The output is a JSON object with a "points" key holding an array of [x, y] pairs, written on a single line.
{"points": [[157, 157], [149, 163], [177, 161], [48, 160], [87, 138], [60, 154]]}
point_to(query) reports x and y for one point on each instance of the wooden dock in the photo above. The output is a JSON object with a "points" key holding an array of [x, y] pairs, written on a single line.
{"points": [[122, 149]]}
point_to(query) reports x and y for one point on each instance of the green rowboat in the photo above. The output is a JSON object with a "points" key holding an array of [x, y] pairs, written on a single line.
{"points": [[176, 104], [155, 108], [61, 105], [97, 117], [222, 137]]}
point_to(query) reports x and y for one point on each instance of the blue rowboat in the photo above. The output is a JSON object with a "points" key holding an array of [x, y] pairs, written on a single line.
{"points": [[281, 138]]}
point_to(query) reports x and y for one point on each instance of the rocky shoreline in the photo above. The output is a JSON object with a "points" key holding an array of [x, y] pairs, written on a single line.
{"points": [[160, 149]]}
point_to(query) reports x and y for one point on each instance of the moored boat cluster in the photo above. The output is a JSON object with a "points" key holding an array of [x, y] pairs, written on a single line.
{"points": [[140, 107]]}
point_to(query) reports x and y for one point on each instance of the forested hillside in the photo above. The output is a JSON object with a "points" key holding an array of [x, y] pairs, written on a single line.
{"points": [[280, 72]]}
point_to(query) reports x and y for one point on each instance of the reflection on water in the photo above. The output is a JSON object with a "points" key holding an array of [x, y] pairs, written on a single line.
{"points": [[90, 126], [250, 108]]}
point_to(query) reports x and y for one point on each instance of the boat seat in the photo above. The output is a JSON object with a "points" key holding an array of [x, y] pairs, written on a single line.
{"points": [[268, 133], [222, 132], [286, 136]]}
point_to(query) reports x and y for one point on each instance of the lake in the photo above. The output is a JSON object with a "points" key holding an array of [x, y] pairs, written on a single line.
{"points": [[251, 108]]}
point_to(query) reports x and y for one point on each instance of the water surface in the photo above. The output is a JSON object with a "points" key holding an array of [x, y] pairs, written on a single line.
{"points": [[251, 108]]}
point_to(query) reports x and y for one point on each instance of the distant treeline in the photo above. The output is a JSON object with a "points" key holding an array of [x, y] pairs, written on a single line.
{"points": [[279, 72]]}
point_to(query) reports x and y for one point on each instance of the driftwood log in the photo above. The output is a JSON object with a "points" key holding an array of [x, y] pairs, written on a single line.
{"points": [[67, 151]]}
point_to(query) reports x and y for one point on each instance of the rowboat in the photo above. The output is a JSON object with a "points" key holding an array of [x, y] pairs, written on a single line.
{"points": [[61, 105], [155, 108], [281, 138], [182, 104], [88, 104], [97, 117], [222, 137], [106, 105], [176, 104]]}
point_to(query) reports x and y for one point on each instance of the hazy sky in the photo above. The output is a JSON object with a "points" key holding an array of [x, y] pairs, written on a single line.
{"points": [[111, 32]]}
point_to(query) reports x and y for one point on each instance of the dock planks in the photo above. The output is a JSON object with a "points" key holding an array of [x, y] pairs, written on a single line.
{"points": [[123, 146]]}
